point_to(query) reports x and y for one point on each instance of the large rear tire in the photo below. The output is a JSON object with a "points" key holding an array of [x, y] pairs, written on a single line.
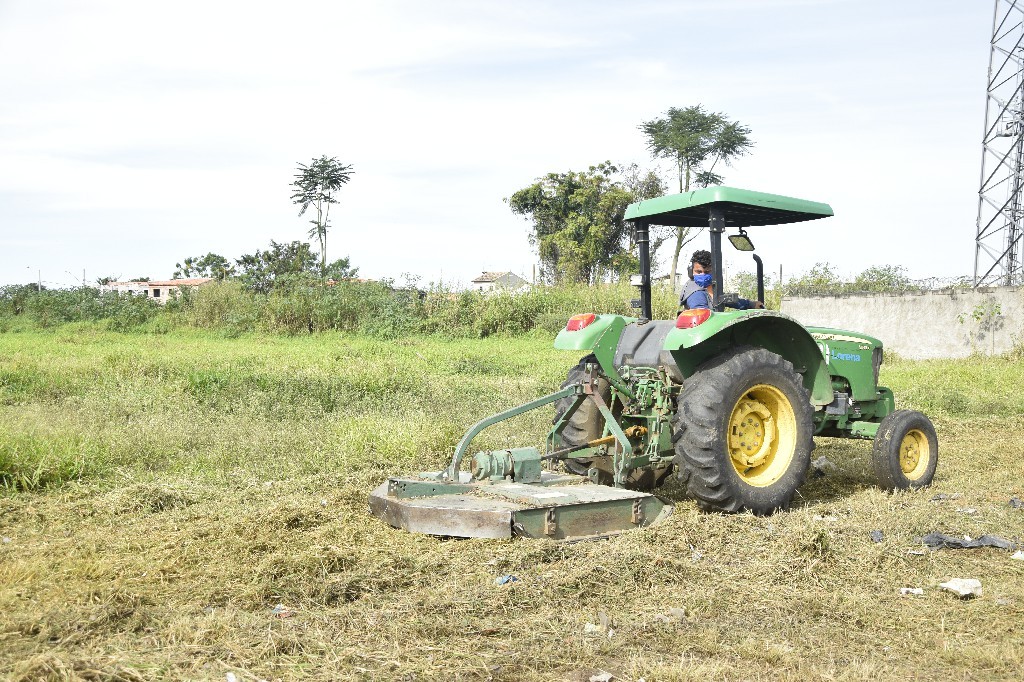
{"points": [[744, 429], [905, 451], [587, 424]]}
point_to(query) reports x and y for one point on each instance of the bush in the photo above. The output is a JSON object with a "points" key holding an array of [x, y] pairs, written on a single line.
{"points": [[301, 305], [54, 307]]}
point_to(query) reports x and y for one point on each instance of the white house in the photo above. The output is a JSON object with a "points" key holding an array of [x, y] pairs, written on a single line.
{"points": [[492, 281], [159, 291]]}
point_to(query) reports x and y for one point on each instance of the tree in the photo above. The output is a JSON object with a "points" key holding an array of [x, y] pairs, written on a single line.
{"points": [[315, 186], [821, 279], [883, 279], [263, 270], [695, 140], [210, 265], [645, 184], [577, 222], [341, 269]]}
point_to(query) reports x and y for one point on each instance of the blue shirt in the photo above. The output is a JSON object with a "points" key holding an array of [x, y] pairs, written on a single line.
{"points": [[701, 299]]}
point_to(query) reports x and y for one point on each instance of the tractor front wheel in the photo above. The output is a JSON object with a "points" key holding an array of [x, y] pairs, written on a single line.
{"points": [[744, 429], [905, 451]]}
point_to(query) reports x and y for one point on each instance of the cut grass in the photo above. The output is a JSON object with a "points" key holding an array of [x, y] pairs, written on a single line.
{"points": [[165, 493]]}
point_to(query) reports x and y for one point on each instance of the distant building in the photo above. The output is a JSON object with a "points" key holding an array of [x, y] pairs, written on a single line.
{"points": [[492, 281], [158, 291], [681, 279]]}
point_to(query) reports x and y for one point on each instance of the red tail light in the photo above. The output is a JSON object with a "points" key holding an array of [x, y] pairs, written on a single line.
{"points": [[578, 322], [688, 319]]}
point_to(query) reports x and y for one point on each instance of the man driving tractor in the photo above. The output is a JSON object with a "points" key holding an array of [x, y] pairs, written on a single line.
{"points": [[699, 290]]}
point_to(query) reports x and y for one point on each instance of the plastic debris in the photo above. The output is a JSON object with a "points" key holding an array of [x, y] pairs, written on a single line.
{"points": [[602, 677], [1018, 555], [965, 588], [941, 540], [877, 536], [7, 540], [695, 554], [602, 628], [323, 503], [915, 591], [823, 464], [674, 615], [282, 611], [230, 677], [505, 579], [967, 510], [1016, 503]]}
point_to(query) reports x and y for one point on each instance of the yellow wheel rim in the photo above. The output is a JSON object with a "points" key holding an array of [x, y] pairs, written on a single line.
{"points": [[762, 435], [915, 453]]}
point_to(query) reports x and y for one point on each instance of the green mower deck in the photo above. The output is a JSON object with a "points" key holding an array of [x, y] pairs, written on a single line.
{"points": [[559, 507]]}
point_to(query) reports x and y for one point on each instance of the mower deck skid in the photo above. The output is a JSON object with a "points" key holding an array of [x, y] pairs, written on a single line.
{"points": [[559, 507]]}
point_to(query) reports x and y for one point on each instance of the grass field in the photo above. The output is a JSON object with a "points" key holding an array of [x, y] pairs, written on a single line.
{"points": [[162, 494]]}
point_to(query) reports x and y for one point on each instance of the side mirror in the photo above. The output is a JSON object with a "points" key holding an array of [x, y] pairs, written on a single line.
{"points": [[741, 242]]}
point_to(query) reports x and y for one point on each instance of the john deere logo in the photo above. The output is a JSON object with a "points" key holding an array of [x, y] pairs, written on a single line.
{"points": [[831, 355]]}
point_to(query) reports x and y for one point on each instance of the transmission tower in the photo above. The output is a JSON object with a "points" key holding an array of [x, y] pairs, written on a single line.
{"points": [[997, 253]]}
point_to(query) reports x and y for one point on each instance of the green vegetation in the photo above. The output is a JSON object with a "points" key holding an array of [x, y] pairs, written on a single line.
{"points": [[577, 221], [162, 493], [297, 305], [315, 186], [695, 140]]}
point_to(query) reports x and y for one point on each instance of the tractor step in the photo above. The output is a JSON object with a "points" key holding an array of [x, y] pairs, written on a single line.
{"points": [[559, 507]]}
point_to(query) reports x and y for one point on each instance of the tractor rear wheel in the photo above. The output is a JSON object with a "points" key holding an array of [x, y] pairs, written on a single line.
{"points": [[905, 451], [587, 424], [743, 427]]}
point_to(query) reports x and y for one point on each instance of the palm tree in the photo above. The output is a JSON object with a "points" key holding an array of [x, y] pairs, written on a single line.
{"points": [[315, 186], [695, 140]]}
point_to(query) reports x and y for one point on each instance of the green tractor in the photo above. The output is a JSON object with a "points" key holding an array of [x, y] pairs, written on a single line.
{"points": [[729, 400]]}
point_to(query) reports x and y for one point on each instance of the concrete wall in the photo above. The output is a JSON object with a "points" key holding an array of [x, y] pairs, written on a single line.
{"points": [[936, 324]]}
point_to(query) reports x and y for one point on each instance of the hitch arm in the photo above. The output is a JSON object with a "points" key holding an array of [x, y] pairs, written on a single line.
{"points": [[452, 474]]}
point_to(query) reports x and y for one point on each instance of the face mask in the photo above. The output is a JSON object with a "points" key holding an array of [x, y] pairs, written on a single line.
{"points": [[702, 280]]}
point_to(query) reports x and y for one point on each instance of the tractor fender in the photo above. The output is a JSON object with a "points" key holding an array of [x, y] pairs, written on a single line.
{"points": [[602, 338], [766, 329]]}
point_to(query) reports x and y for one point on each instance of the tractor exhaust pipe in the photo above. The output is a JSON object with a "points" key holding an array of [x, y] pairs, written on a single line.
{"points": [[716, 226], [760, 278], [643, 244]]}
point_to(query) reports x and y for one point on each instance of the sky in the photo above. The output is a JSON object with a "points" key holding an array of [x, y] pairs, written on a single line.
{"points": [[136, 134]]}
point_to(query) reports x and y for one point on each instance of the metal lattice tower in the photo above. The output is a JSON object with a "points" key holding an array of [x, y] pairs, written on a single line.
{"points": [[997, 254]]}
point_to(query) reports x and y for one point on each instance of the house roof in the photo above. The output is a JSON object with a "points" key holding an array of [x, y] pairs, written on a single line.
{"points": [[490, 277], [193, 282]]}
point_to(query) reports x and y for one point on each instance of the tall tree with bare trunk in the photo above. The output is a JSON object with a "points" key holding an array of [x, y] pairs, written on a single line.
{"points": [[315, 185], [696, 140]]}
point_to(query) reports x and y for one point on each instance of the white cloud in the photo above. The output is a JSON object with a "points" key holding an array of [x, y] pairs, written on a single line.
{"points": [[180, 125]]}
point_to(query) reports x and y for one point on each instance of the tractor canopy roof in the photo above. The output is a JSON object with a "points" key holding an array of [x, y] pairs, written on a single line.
{"points": [[742, 208]]}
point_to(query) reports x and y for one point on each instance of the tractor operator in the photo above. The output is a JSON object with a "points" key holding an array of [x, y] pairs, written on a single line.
{"points": [[699, 290]]}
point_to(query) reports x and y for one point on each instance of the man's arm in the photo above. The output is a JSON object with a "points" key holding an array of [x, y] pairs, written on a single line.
{"points": [[744, 304]]}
